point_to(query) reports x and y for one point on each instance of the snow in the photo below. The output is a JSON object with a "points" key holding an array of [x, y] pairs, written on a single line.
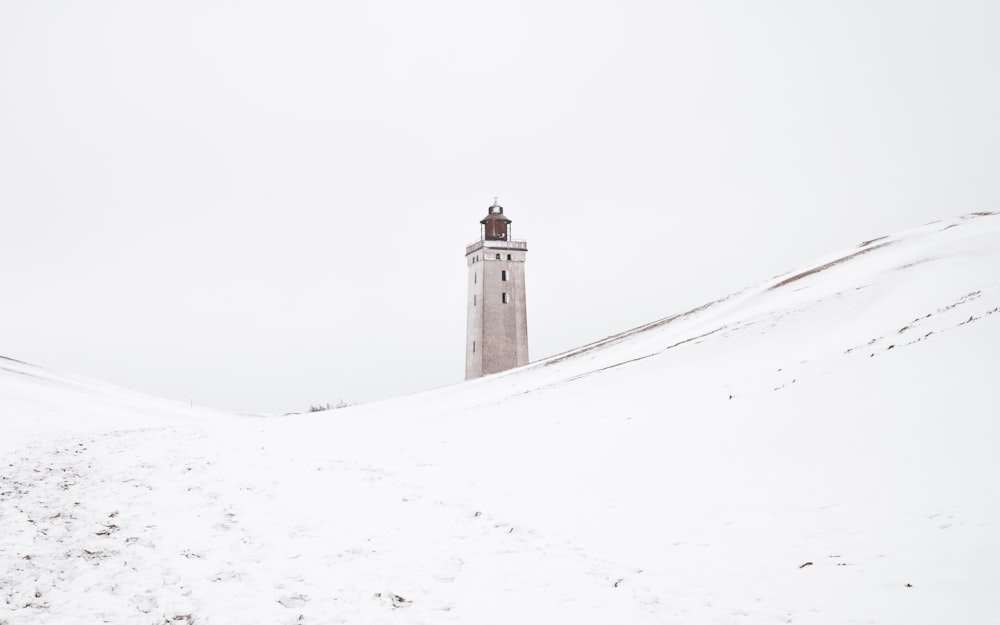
{"points": [[841, 415]]}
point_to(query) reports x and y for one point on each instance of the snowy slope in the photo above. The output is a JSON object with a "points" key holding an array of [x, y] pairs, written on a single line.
{"points": [[821, 448], [35, 401]]}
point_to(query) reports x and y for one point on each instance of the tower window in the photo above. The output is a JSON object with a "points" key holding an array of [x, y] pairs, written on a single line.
{"points": [[503, 275], [473, 347], [498, 257], [509, 257], [475, 278], [473, 299], [504, 298]]}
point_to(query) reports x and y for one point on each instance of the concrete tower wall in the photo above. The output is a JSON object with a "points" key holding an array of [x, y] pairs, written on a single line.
{"points": [[497, 327], [474, 317]]}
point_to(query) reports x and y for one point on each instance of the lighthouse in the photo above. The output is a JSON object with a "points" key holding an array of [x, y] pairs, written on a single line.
{"points": [[497, 320]]}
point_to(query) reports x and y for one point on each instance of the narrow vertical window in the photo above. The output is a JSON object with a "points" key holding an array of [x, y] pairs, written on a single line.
{"points": [[475, 278], [504, 298], [509, 258], [473, 347], [503, 275], [473, 299], [498, 257]]}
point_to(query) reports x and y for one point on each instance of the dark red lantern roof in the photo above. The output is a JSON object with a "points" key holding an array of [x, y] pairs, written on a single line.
{"points": [[495, 214]]}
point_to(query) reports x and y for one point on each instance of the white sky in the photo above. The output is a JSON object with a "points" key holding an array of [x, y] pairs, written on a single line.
{"points": [[264, 205]]}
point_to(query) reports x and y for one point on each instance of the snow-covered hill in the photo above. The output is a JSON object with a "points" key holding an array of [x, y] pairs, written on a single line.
{"points": [[821, 448]]}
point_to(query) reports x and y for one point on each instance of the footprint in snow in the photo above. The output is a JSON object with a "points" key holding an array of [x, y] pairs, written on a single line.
{"points": [[144, 603], [294, 601]]}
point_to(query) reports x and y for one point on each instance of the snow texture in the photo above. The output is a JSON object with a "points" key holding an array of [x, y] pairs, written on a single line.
{"points": [[821, 448]]}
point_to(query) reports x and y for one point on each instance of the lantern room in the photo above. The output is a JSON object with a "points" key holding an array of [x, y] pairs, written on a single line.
{"points": [[496, 226]]}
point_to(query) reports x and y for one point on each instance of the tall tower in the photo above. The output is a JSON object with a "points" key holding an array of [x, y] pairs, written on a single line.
{"points": [[497, 327]]}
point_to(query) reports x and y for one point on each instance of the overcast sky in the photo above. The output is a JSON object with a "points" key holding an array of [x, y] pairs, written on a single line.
{"points": [[262, 205]]}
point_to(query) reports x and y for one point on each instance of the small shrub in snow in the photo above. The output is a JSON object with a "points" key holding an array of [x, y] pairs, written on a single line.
{"points": [[329, 406]]}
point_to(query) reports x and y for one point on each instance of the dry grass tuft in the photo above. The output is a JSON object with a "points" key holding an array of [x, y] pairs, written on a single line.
{"points": [[826, 266]]}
